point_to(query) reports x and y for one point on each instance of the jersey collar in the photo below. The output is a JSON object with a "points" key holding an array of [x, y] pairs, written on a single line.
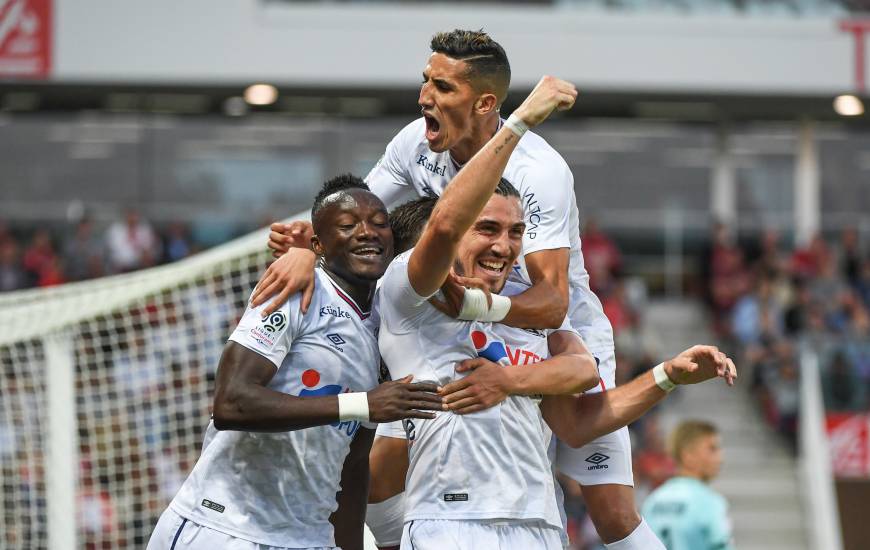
{"points": [[344, 296]]}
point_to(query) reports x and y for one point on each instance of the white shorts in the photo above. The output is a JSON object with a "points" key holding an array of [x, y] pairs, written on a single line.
{"points": [[608, 458], [174, 532], [395, 429], [385, 520], [445, 534]]}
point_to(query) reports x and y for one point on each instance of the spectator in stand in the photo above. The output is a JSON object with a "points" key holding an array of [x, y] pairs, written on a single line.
{"points": [[849, 255], [132, 243], [653, 465], [757, 315], [617, 309], [807, 261], [728, 278], [840, 386], [51, 273], [84, 253], [39, 256], [601, 257], [12, 276], [785, 391], [177, 243], [771, 258], [862, 285]]}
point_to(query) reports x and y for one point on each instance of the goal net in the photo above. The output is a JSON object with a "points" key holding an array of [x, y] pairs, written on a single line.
{"points": [[105, 392]]}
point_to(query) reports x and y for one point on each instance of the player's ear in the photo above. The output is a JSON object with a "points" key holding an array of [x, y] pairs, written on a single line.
{"points": [[316, 245], [485, 103]]}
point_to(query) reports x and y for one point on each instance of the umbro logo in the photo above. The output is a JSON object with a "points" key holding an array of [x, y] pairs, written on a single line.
{"points": [[336, 341], [596, 460]]}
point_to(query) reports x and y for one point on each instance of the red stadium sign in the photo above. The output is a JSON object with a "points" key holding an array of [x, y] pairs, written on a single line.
{"points": [[849, 442], [25, 38]]}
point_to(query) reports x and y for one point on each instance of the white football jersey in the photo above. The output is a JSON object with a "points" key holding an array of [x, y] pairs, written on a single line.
{"points": [[546, 185], [492, 464], [279, 489]]}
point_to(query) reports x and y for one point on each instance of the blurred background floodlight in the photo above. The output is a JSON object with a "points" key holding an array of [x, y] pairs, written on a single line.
{"points": [[848, 105], [261, 94]]}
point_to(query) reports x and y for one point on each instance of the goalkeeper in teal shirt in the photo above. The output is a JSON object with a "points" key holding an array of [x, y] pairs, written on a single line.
{"points": [[685, 512]]}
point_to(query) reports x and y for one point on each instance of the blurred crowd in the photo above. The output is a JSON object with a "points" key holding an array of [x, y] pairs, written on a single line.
{"points": [[144, 379], [39, 257], [766, 298], [623, 299]]}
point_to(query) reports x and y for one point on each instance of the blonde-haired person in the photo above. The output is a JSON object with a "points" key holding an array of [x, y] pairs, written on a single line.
{"points": [[685, 512]]}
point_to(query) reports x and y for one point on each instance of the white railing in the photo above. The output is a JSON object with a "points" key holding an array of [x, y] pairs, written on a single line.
{"points": [[821, 512]]}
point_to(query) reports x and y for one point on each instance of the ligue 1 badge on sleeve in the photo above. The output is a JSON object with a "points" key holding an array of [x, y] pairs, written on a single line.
{"points": [[267, 331]]}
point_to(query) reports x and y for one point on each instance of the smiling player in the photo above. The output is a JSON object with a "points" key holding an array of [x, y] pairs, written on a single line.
{"points": [[465, 82], [292, 394]]}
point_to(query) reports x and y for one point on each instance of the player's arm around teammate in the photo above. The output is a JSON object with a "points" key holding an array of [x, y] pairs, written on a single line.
{"points": [[243, 401], [571, 369]]}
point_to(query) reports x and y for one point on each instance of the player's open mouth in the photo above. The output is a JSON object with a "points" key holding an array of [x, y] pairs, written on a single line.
{"points": [[432, 127], [368, 252], [492, 266]]}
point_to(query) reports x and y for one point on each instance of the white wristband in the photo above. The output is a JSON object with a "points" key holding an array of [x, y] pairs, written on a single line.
{"points": [[516, 125], [475, 307], [353, 406], [499, 309], [662, 379]]}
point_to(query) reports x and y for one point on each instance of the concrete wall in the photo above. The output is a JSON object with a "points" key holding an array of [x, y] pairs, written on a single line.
{"points": [[240, 41]]}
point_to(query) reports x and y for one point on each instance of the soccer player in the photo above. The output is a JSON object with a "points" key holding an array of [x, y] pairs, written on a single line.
{"points": [[464, 84], [685, 512], [292, 398], [576, 421], [478, 475]]}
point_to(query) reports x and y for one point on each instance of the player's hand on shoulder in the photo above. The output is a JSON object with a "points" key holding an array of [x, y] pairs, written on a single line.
{"points": [[291, 273], [488, 385], [400, 399], [700, 363], [453, 291], [550, 94], [284, 236]]}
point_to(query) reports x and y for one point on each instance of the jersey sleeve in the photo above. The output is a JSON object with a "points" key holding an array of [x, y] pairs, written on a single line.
{"points": [[547, 201], [270, 336], [565, 326], [400, 306], [389, 178]]}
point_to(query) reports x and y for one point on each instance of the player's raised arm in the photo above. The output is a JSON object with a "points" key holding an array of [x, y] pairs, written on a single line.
{"points": [[579, 420], [471, 189]]}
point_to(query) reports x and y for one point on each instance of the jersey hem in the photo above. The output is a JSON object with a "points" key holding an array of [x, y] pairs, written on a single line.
{"points": [[482, 516], [205, 522]]}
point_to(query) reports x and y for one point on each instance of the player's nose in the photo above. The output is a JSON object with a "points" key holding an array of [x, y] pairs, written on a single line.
{"points": [[425, 99], [366, 231], [500, 246]]}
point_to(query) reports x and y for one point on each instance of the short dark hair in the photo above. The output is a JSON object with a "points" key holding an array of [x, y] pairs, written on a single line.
{"points": [[507, 189], [334, 185], [488, 65], [408, 220]]}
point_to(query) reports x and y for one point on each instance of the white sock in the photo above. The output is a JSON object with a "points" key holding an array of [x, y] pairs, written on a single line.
{"points": [[386, 520], [642, 538]]}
